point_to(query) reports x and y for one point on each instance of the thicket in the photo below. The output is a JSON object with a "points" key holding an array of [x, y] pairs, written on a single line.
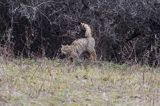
{"points": [[125, 30]]}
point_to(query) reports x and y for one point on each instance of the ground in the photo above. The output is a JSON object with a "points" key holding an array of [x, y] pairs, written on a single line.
{"points": [[44, 82]]}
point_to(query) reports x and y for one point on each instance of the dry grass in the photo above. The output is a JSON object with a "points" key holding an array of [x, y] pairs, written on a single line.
{"points": [[48, 83]]}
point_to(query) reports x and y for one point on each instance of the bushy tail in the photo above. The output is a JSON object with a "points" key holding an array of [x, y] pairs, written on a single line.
{"points": [[88, 32]]}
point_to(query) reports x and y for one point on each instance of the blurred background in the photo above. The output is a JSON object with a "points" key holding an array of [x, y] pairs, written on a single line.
{"points": [[126, 31]]}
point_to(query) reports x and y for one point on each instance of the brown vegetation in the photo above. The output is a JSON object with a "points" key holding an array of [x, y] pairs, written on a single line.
{"points": [[126, 31]]}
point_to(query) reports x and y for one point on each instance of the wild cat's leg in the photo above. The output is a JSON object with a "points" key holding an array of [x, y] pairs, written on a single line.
{"points": [[74, 58], [93, 55]]}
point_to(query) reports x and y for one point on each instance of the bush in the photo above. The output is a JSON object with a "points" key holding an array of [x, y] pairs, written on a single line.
{"points": [[125, 30]]}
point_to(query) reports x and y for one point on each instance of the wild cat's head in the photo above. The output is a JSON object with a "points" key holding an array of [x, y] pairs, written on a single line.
{"points": [[66, 49]]}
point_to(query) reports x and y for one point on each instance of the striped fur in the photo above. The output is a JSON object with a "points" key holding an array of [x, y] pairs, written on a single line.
{"points": [[80, 45]]}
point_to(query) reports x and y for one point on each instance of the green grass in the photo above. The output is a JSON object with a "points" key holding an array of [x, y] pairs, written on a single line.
{"points": [[48, 83]]}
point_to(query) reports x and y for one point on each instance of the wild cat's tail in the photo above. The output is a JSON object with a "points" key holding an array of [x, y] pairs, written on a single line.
{"points": [[88, 32]]}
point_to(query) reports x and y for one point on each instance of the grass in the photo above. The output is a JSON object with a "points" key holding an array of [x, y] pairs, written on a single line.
{"points": [[48, 83]]}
